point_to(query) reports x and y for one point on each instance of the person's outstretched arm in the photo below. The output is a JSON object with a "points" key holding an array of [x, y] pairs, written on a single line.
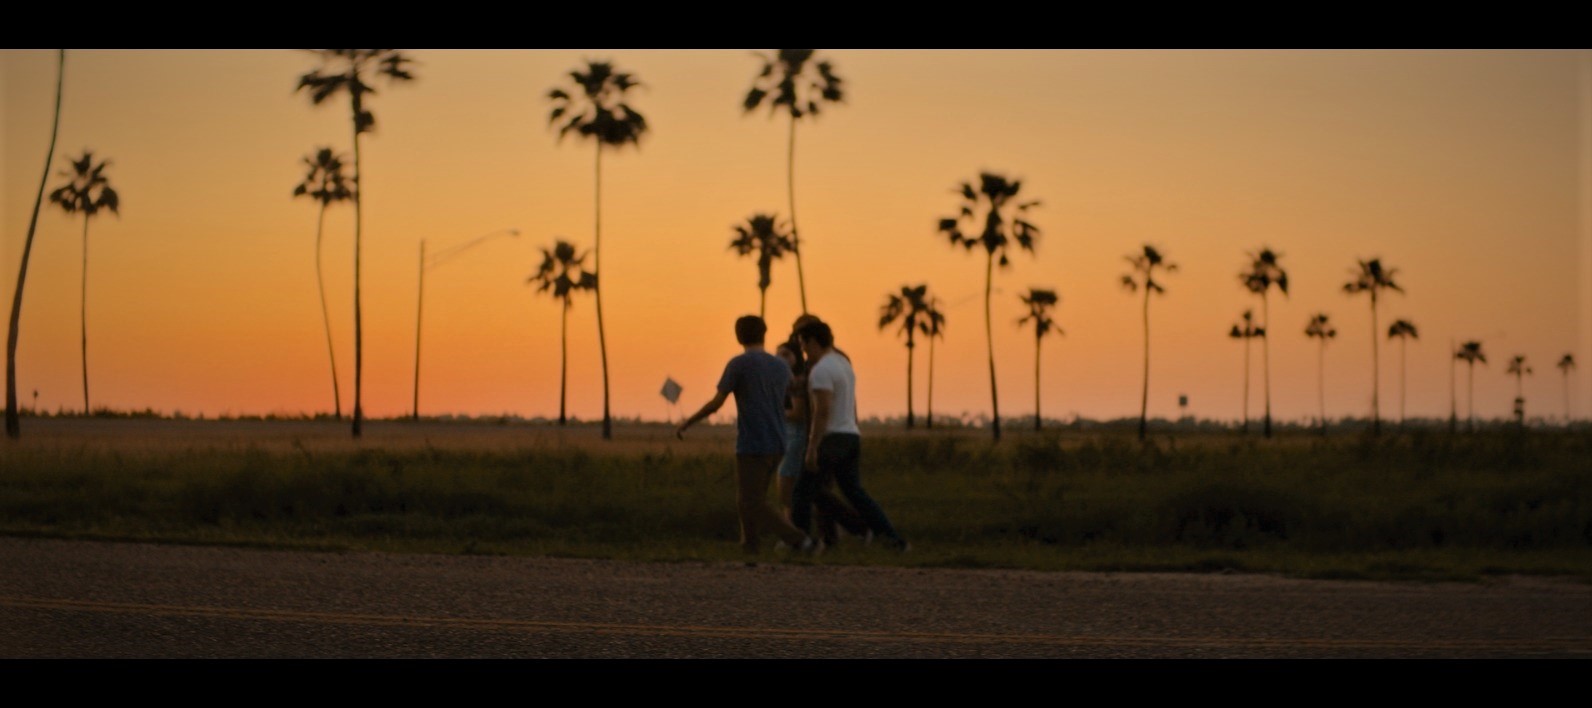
{"points": [[712, 407]]}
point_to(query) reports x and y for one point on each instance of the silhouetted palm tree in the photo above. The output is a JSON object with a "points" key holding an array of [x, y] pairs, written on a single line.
{"points": [[1373, 278], [1264, 273], [1453, 396], [1320, 328], [1246, 332], [1470, 353], [327, 185], [995, 194], [13, 420], [561, 275], [1144, 265], [935, 323], [1039, 303], [1517, 367], [1404, 331], [86, 192], [910, 308], [1566, 365], [595, 108], [349, 71], [790, 78], [763, 234]]}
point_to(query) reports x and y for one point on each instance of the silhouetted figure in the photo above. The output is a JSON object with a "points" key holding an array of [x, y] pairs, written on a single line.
{"points": [[759, 381], [1144, 265], [1039, 303], [994, 194], [830, 514]]}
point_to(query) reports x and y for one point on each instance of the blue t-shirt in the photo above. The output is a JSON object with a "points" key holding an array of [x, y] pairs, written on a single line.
{"points": [[758, 380]]}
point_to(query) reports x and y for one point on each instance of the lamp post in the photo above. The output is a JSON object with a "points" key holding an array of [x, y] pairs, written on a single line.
{"points": [[420, 297]]}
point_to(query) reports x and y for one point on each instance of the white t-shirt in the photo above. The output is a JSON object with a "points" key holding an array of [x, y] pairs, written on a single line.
{"points": [[833, 373]]}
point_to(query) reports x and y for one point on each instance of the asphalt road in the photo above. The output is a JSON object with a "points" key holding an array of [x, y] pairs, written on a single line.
{"points": [[73, 599]]}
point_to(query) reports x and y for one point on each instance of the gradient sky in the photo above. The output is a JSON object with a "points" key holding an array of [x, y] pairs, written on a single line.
{"points": [[1469, 171]]}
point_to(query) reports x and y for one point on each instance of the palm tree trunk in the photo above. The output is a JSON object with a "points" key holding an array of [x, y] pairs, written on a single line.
{"points": [[795, 235], [1265, 348], [928, 422], [909, 379], [83, 317], [602, 337], [1144, 400], [326, 318], [762, 302], [1038, 340], [1376, 373], [1321, 383], [13, 421], [1453, 396], [359, 325], [563, 361], [1404, 372], [989, 337], [420, 303], [1566, 394], [1247, 337], [1471, 397]]}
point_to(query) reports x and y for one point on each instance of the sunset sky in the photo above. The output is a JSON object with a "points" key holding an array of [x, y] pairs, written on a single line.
{"points": [[1469, 171]]}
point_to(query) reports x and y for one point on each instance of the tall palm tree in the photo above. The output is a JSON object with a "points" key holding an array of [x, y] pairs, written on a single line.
{"points": [[1453, 396], [1566, 365], [562, 275], [87, 191], [326, 183], [910, 308], [350, 71], [1403, 330], [1373, 278], [1470, 353], [1039, 303], [13, 420], [1246, 332], [1320, 328], [763, 234], [935, 325], [1265, 273], [1517, 367], [994, 195], [595, 108], [1143, 275], [790, 78]]}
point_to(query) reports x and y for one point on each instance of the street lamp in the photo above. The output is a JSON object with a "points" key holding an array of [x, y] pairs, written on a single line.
{"points": [[437, 259]]}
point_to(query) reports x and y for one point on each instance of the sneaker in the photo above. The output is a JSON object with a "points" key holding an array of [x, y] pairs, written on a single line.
{"points": [[811, 546]]}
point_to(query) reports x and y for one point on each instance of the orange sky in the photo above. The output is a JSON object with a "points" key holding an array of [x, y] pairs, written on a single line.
{"points": [[1468, 171]]}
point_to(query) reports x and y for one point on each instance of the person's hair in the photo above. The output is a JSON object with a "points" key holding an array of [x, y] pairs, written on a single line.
{"points": [[818, 332], [750, 330], [794, 346]]}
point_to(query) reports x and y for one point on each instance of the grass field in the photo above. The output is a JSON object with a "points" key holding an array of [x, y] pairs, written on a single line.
{"points": [[1423, 505]]}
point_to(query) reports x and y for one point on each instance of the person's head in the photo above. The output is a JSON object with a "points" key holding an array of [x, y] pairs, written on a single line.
{"points": [[791, 352], [816, 338], [750, 330]]}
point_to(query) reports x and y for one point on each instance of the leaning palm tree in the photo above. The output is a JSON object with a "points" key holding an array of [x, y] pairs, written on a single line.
{"points": [[1246, 332], [1039, 303], [13, 420], [87, 191], [1403, 330], [1320, 328], [935, 328], [909, 308], [1470, 353], [1566, 365], [1517, 367], [1264, 273], [994, 195], [1373, 278], [1143, 276], [350, 70], [763, 234], [561, 274], [327, 185], [595, 108], [790, 78]]}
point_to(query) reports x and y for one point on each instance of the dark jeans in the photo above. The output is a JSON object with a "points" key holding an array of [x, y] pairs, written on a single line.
{"points": [[839, 456]]}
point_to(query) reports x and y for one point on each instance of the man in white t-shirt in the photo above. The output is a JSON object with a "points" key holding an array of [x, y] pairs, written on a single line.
{"points": [[834, 425]]}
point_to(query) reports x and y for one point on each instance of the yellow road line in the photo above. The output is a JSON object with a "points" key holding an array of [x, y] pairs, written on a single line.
{"points": [[1534, 644]]}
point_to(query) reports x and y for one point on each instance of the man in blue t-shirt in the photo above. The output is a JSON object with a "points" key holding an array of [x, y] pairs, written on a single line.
{"points": [[759, 381]]}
